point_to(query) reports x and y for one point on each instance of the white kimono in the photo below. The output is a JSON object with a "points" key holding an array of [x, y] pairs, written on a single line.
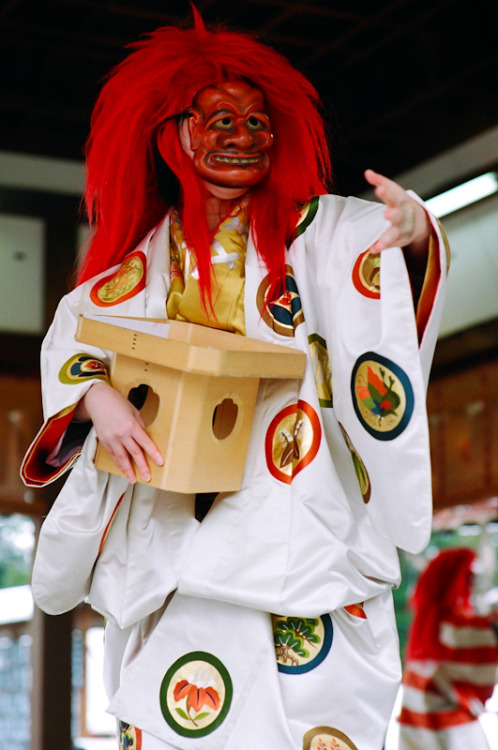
{"points": [[337, 476]]}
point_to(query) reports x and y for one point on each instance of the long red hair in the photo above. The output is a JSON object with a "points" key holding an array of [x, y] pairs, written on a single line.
{"points": [[142, 99], [443, 590]]}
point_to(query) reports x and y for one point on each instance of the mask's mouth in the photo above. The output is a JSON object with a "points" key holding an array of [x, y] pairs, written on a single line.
{"points": [[236, 161]]}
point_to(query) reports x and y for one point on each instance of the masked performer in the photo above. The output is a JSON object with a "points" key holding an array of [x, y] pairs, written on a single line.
{"points": [[269, 623], [452, 659]]}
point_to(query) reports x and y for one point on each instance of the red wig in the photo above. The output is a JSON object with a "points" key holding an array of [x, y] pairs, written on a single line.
{"points": [[141, 101], [442, 591]]}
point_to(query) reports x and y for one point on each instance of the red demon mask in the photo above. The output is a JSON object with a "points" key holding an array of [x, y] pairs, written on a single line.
{"points": [[229, 137]]}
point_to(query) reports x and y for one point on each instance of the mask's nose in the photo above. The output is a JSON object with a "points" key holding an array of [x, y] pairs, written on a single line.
{"points": [[239, 138]]}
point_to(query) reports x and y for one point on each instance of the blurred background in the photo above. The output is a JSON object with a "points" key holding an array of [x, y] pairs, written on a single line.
{"points": [[409, 89]]}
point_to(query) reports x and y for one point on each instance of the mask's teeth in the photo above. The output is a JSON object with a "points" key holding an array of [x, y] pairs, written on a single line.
{"points": [[235, 160]]}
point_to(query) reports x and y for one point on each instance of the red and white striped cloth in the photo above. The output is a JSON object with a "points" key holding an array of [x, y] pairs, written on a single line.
{"points": [[442, 698]]}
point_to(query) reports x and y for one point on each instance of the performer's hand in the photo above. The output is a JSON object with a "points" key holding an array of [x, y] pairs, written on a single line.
{"points": [[410, 227], [120, 428]]}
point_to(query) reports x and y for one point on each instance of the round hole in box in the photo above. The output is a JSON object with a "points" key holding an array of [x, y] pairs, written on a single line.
{"points": [[146, 400], [224, 418]]}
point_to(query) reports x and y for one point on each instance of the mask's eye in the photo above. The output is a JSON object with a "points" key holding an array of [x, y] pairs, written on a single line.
{"points": [[223, 123], [255, 123]]}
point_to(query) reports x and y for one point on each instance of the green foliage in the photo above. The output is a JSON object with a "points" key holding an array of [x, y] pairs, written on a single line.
{"points": [[289, 639], [294, 631], [16, 550]]}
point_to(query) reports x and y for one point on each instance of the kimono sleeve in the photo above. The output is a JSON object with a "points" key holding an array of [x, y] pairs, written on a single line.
{"points": [[73, 534], [67, 372], [432, 296], [381, 350]]}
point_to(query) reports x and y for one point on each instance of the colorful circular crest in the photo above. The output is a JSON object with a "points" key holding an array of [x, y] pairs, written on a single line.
{"points": [[359, 467], [82, 367], [366, 275], [323, 371], [283, 312], [382, 396], [301, 643], [308, 213], [292, 440], [196, 694], [130, 738], [120, 286], [327, 738]]}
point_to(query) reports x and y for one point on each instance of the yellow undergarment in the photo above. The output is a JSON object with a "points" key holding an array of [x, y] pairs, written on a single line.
{"points": [[228, 251]]}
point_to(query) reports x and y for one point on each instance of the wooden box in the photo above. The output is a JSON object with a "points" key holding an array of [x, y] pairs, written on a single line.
{"points": [[200, 389]]}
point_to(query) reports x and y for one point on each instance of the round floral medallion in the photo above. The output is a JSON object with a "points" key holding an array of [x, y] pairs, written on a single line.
{"points": [[320, 361], [281, 310], [327, 738], [130, 737], [123, 284], [82, 367], [382, 396], [196, 693], [292, 440], [359, 467], [301, 643], [366, 275]]}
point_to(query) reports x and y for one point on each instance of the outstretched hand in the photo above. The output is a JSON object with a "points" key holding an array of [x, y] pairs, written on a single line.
{"points": [[410, 227], [120, 428]]}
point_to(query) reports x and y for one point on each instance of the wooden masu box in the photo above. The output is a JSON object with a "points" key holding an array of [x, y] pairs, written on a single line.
{"points": [[200, 387]]}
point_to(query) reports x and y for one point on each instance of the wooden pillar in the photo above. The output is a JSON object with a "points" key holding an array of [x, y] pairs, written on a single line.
{"points": [[51, 686], [51, 659]]}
